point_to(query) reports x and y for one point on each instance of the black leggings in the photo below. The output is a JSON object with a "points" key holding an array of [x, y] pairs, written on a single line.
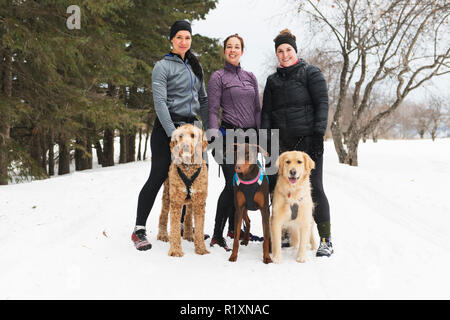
{"points": [[225, 204], [161, 159]]}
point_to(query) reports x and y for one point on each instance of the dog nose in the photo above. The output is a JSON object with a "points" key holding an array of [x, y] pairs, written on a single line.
{"points": [[293, 172]]}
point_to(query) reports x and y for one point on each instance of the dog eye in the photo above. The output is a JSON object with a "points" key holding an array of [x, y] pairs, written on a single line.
{"points": [[181, 135], [288, 161], [192, 135], [298, 161]]}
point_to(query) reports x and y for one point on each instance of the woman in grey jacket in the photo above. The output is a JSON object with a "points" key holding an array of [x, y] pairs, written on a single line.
{"points": [[179, 96]]}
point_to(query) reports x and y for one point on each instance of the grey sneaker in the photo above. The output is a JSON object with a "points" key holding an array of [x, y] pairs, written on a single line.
{"points": [[285, 240], [325, 248]]}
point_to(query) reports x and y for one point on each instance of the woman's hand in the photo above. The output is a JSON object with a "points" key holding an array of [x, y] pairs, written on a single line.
{"points": [[316, 146]]}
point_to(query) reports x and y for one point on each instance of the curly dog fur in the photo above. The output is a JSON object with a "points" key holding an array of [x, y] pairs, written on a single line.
{"points": [[187, 145]]}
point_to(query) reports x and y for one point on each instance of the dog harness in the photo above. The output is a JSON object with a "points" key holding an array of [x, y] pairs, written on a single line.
{"points": [[249, 188], [188, 181]]}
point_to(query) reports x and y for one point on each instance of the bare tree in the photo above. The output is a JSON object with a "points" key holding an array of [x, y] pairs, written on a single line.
{"points": [[398, 45], [420, 118], [437, 115], [328, 61]]}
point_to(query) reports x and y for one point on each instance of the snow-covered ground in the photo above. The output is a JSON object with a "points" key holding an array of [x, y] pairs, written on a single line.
{"points": [[68, 237]]}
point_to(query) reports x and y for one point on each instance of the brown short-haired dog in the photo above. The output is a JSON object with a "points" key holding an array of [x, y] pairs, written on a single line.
{"points": [[187, 185], [292, 206], [251, 192]]}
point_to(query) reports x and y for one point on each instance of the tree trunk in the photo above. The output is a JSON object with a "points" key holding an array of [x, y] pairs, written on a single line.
{"points": [[78, 155], [99, 151], [421, 134], [139, 146], [108, 148], [131, 143], [123, 148], [44, 148], [5, 128], [51, 153], [352, 147], [82, 155], [147, 135], [337, 139], [433, 135], [35, 146], [108, 134], [63, 156], [89, 151], [4, 161]]}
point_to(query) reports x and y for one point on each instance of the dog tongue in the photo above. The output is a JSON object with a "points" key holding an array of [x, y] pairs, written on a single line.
{"points": [[292, 180]]}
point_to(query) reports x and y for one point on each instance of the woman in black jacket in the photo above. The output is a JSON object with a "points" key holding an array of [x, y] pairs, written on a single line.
{"points": [[296, 102]]}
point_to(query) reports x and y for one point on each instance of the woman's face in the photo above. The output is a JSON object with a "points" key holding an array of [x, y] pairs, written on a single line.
{"points": [[233, 51], [181, 42], [286, 55]]}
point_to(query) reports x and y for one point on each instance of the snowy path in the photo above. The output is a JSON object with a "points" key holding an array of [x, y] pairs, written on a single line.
{"points": [[69, 237]]}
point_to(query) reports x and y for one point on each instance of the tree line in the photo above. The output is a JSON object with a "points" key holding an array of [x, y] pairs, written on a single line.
{"points": [[73, 90]]}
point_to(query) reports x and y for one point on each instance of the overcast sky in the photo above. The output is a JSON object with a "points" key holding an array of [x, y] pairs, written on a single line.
{"points": [[258, 22]]}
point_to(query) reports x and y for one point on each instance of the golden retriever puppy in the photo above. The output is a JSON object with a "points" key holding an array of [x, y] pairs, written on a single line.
{"points": [[187, 185], [292, 204]]}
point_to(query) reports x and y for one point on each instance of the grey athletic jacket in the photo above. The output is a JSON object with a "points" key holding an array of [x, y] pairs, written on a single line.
{"points": [[176, 89]]}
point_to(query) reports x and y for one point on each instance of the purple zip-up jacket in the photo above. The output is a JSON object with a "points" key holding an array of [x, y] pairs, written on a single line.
{"points": [[236, 91]]}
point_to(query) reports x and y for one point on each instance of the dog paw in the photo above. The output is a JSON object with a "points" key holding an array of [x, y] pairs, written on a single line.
{"points": [[244, 242], [163, 237], [188, 237], [233, 258], [267, 260], [301, 259], [201, 251], [176, 253], [276, 259]]}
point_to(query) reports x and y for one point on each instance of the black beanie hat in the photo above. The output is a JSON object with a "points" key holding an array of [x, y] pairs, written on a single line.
{"points": [[179, 25], [285, 38]]}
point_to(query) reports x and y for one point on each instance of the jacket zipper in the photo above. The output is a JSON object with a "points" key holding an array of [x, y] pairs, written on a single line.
{"points": [[192, 92]]}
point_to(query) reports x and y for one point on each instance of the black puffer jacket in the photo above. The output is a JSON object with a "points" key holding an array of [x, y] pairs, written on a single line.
{"points": [[296, 101]]}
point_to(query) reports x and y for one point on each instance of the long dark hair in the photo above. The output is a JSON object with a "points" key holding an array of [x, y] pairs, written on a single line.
{"points": [[195, 64]]}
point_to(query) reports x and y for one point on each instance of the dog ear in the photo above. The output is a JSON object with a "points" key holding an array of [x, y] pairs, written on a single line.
{"points": [[204, 141], [280, 162], [173, 143], [309, 163]]}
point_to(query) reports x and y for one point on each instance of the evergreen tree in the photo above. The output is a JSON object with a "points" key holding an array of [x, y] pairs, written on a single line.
{"points": [[75, 88]]}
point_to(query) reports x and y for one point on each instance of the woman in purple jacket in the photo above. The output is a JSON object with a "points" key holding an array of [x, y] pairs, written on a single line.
{"points": [[236, 92]]}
